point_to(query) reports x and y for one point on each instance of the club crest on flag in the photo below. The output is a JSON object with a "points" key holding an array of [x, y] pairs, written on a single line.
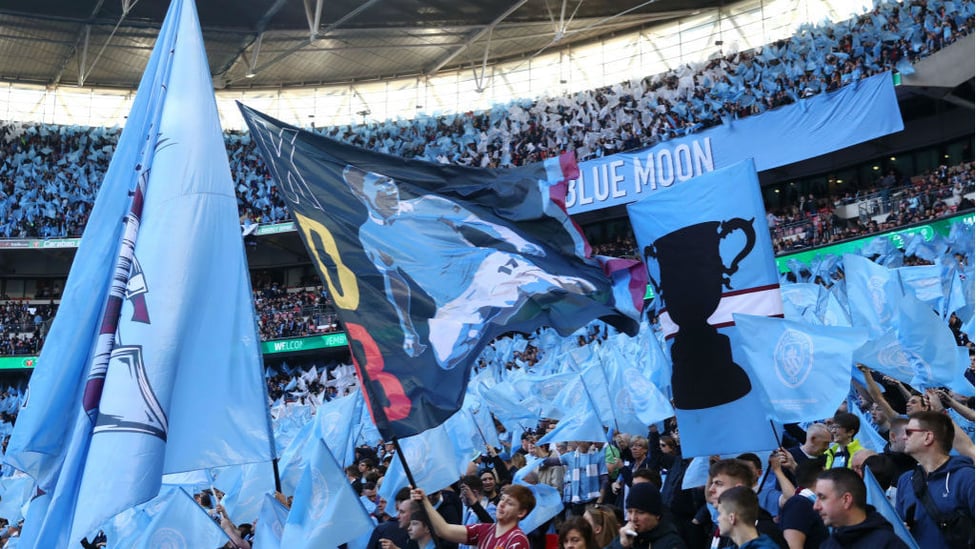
{"points": [[640, 387], [168, 538], [893, 357], [319, 503], [130, 404], [793, 357], [549, 388], [879, 298]]}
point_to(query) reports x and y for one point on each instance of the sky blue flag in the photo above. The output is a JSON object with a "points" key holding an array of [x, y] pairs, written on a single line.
{"points": [[465, 434], [636, 402], [165, 373], [482, 419], [548, 503], [596, 387], [569, 399], [244, 487], [335, 426], [929, 344], [271, 523], [800, 301], [125, 528], [433, 461], [925, 283], [40, 441], [181, 523], [709, 254], [960, 383], [326, 511], [368, 433], [885, 354], [696, 474], [14, 493], [295, 456], [876, 498], [583, 424], [873, 294], [814, 304], [805, 369], [37, 509]]}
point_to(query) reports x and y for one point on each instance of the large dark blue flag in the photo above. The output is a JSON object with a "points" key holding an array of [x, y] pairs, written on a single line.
{"points": [[427, 263]]}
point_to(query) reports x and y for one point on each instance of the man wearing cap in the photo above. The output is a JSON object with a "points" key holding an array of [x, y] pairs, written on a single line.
{"points": [[648, 524]]}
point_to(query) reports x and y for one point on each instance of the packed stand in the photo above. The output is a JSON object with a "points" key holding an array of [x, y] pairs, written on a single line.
{"points": [[891, 202], [633, 488], [293, 312], [49, 174], [23, 327]]}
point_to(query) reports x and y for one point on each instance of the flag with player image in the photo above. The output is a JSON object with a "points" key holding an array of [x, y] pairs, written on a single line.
{"points": [[427, 263]]}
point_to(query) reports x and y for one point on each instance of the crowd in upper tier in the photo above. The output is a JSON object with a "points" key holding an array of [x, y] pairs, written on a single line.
{"points": [[892, 201], [49, 174]]}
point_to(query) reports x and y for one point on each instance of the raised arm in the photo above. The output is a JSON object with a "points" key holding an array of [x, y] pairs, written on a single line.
{"points": [[454, 533], [874, 391], [960, 441]]}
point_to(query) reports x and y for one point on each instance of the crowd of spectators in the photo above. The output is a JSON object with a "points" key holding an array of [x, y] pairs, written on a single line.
{"points": [[813, 221], [49, 174], [285, 312], [293, 312], [890, 203]]}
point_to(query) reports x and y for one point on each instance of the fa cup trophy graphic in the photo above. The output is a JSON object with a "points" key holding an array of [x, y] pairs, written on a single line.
{"points": [[693, 275]]}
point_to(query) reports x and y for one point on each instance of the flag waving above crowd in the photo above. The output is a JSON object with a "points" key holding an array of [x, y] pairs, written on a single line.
{"points": [[428, 263], [146, 381]]}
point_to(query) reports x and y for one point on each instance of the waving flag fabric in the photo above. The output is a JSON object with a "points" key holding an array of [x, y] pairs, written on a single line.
{"points": [[709, 254], [804, 369], [873, 293], [170, 386], [427, 263], [326, 511], [181, 523], [271, 523], [876, 497]]}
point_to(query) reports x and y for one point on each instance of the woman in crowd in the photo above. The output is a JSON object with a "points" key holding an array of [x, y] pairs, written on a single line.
{"points": [[604, 523], [577, 534]]}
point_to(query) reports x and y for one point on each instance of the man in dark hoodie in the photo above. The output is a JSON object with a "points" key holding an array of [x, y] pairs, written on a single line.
{"points": [[648, 524], [842, 503], [948, 480]]}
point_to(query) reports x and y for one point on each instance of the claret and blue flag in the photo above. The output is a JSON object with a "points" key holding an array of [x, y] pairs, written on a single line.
{"points": [[428, 263], [153, 363]]}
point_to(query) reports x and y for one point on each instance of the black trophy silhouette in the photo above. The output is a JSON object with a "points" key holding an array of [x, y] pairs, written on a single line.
{"points": [[692, 275]]}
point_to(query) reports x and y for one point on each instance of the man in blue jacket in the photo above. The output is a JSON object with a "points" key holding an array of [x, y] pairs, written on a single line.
{"points": [[948, 480]]}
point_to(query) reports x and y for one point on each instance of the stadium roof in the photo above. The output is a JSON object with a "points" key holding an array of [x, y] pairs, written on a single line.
{"points": [[99, 43]]}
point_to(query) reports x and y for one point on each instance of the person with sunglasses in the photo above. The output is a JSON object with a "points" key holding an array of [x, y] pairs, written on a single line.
{"points": [[936, 498]]}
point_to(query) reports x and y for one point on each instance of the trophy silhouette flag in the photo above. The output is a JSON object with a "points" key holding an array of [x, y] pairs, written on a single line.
{"points": [[708, 253]]}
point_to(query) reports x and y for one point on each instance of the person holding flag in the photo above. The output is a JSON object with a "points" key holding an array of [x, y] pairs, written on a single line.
{"points": [[516, 503]]}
